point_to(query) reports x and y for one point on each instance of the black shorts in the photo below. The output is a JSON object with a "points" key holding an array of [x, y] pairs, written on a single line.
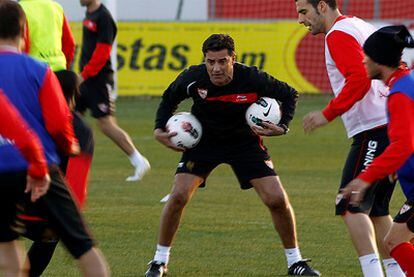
{"points": [[248, 161], [365, 147], [57, 208], [95, 94], [406, 215]]}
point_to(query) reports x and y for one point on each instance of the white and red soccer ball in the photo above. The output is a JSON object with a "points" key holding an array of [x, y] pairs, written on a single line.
{"points": [[265, 109], [188, 129]]}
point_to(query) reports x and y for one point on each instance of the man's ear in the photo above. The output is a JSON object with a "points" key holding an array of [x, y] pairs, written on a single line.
{"points": [[24, 36], [322, 6]]}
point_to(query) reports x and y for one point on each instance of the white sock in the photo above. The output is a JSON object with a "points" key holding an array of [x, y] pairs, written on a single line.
{"points": [[135, 158], [292, 255], [392, 268], [371, 266], [162, 254]]}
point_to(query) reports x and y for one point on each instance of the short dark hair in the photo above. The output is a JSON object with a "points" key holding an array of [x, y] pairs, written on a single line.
{"points": [[217, 42], [331, 3], [69, 82], [12, 19]]}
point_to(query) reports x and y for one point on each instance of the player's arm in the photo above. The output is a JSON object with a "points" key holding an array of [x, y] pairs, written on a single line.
{"points": [[286, 95], [100, 56], [400, 132], [68, 43], [102, 52], [348, 57], [56, 115], [13, 126], [176, 92]]}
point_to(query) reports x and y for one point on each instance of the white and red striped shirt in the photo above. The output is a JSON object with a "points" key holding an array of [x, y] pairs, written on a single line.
{"points": [[359, 101]]}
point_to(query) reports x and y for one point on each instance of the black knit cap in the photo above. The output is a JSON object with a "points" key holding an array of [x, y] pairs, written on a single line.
{"points": [[385, 46]]}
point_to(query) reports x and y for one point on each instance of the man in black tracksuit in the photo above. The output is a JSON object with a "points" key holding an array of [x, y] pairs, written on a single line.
{"points": [[98, 35], [222, 90]]}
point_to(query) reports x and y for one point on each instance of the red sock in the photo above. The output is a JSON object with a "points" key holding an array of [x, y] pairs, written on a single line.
{"points": [[404, 255]]}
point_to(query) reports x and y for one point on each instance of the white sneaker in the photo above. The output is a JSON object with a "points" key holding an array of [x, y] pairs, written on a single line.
{"points": [[140, 170]]}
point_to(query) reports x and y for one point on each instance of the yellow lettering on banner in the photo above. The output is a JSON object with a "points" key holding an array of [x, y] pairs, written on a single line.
{"points": [[151, 55]]}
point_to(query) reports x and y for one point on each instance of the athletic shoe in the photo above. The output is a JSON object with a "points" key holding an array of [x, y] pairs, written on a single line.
{"points": [[140, 169], [156, 269], [302, 268]]}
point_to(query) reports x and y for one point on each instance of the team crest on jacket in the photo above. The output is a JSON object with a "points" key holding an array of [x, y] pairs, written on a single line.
{"points": [[103, 107], [202, 92], [90, 25]]}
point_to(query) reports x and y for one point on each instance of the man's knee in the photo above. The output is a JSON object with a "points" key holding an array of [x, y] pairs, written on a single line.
{"points": [[93, 263], [276, 202], [391, 240], [184, 186], [10, 263], [179, 199], [7, 266], [105, 124]]}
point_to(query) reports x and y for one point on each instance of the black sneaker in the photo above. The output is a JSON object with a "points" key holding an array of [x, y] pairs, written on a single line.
{"points": [[302, 268], [156, 269]]}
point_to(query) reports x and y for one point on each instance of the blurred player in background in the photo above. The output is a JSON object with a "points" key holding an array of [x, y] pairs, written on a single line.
{"points": [[77, 168], [33, 89], [76, 171], [222, 90], [362, 105], [48, 35], [99, 31], [14, 128], [383, 51]]}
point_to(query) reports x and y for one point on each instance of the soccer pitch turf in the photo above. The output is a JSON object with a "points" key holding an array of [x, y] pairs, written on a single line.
{"points": [[224, 231]]}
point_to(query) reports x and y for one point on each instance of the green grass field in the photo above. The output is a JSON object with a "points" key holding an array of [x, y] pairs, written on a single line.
{"points": [[225, 231]]}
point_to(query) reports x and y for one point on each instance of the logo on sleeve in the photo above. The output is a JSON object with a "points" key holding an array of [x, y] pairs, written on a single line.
{"points": [[405, 208], [103, 107], [202, 92], [90, 25]]}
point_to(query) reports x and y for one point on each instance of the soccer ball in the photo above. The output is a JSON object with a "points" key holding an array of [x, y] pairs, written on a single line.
{"points": [[188, 130], [265, 109]]}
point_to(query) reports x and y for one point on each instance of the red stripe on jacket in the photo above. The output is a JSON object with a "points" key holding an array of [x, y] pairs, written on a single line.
{"points": [[236, 98]]}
